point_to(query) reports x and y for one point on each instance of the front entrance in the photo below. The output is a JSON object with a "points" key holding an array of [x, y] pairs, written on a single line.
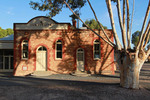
{"points": [[41, 59], [8, 63], [6, 60], [80, 59]]}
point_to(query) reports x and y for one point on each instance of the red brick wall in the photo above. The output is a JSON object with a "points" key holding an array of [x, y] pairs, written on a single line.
{"points": [[72, 40]]}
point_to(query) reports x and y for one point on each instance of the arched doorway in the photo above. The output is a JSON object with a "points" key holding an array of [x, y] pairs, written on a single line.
{"points": [[41, 59], [80, 59]]}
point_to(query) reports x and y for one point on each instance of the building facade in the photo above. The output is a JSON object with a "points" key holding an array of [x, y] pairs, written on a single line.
{"points": [[6, 53], [43, 44]]}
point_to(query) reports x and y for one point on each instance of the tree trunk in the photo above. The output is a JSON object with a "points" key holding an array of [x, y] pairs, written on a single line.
{"points": [[129, 76], [130, 66]]}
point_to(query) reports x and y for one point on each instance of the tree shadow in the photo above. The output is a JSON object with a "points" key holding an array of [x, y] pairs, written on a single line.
{"points": [[107, 76], [27, 81], [75, 39], [72, 39], [30, 36], [37, 88]]}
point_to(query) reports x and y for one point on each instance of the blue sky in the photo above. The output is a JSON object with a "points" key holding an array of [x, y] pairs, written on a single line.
{"points": [[19, 11]]}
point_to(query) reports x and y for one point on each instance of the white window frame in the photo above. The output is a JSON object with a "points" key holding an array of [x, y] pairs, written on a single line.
{"points": [[23, 42], [9, 63], [96, 51], [58, 50]]}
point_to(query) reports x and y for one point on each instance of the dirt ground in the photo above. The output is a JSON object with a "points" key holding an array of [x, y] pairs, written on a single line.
{"points": [[67, 87]]}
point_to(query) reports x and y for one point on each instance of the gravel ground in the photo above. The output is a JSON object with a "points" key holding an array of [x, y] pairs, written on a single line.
{"points": [[67, 87]]}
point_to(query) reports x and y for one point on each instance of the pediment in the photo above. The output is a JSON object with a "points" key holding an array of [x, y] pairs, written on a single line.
{"points": [[40, 23]]}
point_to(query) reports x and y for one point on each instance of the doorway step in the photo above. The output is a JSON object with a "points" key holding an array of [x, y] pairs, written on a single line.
{"points": [[82, 74], [41, 73]]}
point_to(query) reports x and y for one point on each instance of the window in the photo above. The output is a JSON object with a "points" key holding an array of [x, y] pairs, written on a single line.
{"points": [[42, 49], [25, 49], [96, 49], [59, 49], [6, 59], [80, 55]]}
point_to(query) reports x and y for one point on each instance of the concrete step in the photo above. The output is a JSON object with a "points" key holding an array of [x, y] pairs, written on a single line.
{"points": [[41, 73], [82, 74]]}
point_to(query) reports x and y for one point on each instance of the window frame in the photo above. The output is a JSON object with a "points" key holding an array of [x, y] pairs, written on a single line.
{"points": [[22, 50], [94, 42], [56, 51]]}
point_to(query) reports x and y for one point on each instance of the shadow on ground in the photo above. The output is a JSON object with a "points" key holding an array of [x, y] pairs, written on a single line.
{"points": [[26, 81], [29, 88], [67, 87]]}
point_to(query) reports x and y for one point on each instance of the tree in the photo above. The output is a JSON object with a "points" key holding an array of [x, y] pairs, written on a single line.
{"points": [[129, 60], [5, 32], [135, 38], [9, 31], [55, 6], [73, 17], [93, 24]]}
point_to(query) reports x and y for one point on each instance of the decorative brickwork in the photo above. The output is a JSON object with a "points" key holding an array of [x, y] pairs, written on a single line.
{"points": [[72, 39]]}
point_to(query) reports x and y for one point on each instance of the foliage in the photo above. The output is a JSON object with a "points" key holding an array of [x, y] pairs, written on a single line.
{"points": [[5, 32], [73, 17], [93, 24], [114, 0], [135, 38], [55, 6]]}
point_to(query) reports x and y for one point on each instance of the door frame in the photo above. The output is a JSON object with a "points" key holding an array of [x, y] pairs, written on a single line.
{"points": [[77, 59], [9, 63], [46, 67]]}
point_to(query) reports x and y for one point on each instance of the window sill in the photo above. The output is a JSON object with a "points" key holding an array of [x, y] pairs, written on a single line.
{"points": [[96, 59], [24, 59], [58, 59]]}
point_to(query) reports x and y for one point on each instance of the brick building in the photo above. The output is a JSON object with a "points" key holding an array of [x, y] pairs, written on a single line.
{"points": [[6, 53], [43, 44]]}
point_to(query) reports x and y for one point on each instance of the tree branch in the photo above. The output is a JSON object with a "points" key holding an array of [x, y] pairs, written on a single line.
{"points": [[143, 27], [144, 36], [147, 39], [120, 22], [99, 23], [132, 18], [118, 44], [128, 24], [148, 52], [87, 25], [124, 27]]}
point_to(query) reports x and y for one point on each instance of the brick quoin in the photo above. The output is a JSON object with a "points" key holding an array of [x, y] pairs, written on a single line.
{"points": [[72, 39]]}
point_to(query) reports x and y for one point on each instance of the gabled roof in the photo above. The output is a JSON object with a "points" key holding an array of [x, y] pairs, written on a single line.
{"points": [[9, 38]]}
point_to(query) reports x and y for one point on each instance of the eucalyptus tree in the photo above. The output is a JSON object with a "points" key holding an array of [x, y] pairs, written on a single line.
{"points": [[135, 38], [92, 23], [129, 60], [5, 32]]}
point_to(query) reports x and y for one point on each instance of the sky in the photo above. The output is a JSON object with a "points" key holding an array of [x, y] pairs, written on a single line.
{"points": [[19, 11]]}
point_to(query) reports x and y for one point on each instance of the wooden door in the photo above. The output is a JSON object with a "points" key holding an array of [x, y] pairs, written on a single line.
{"points": [[80, 59], [41, 59]]}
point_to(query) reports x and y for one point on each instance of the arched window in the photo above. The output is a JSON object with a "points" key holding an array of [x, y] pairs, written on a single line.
{"points": [[42, 48], [25, 49], [59, 49], [96, 49]]}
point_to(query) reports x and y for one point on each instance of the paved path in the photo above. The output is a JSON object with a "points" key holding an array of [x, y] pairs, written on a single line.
{"points": [[145, 76], [67, 87]]}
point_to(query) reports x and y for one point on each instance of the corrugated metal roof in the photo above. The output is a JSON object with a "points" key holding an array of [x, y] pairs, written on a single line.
{"points": [[9, 37]]}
